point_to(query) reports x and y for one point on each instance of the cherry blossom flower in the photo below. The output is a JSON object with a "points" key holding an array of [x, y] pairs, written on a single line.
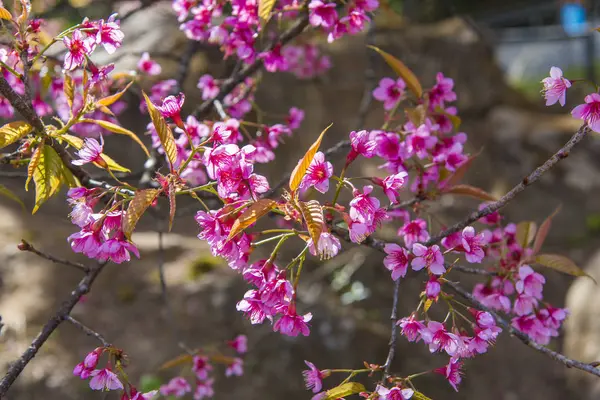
{"points": [[313, 377], [177, 387], [110, 34], [389, 92], [90, 152], [149, 66], [135, 395], [171, 108], [524, 304], [411, 328], [209, 87], [81, 371], [362, 144], [86, 241], [414, 231], [590, 111], [363, 205], [432, 288], [328, 246], [318, 173], [6, 109], [201, 367], [396, 260], [294, 118], [533, 327], [105, 379], [555, 87], [430, 257], [239, 344], [436, 336], [452, 372], [322, 14], [441, 92], [117, 250], [235, 368], [78, 49], [395, 393], [421, 141], [473, 244], [552, 317], [291, 324], [204, 389], [530, 282], [91, 359]]}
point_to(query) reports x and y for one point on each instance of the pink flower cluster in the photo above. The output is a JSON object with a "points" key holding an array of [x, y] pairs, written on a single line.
{"points": [[101, 379], [101, 236], [202, 368]]}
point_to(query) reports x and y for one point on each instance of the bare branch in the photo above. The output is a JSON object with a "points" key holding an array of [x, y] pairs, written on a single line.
{"points": [[87, 331], [26, 246], [394, 334]]}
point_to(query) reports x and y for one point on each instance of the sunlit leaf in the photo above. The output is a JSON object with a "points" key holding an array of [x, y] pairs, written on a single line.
{"points": [[137, 207], [312, 213], [6, 192], [86, 86], [300, 170], [416, 115], [74, 141], [33, 163], [428, 304], [109, 100], [419, 396], [5, 14], [543, 231], [163, 130], [13, 131], [471, 191], [343, 390], [455, 119], [172, 204], [179, 360], [77, 143], [69, 90], [562, 264], [526, 233], [264, 9], [47, 175], [109, 126], [402, 70], [25, 11], [250, 215]]}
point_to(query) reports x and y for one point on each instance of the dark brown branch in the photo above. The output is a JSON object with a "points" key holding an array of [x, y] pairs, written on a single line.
{"points": [[26, 246], [87, 331], [522, 336], [394, 334], [65, 309], [528, 180]]}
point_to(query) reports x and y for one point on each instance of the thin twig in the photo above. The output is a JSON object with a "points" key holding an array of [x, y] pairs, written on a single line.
{"points": [[26, 246], [528, 180], [65, 309], [394, 334], [87, 331], [522, 336], [469, 270]]}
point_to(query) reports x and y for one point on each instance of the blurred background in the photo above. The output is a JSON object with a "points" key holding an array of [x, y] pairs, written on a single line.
{"points": [[496, 51]]}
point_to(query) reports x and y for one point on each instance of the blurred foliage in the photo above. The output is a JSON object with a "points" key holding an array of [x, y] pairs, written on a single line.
{"points": [[203, 265]]}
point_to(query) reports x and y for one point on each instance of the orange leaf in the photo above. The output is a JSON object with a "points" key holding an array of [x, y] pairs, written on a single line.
{"points": [[5, 14], [312, 212], [543, 231], [343, 390], [562, 264], [69, 90], [109, 100], [137, 207], [109, 126], [250, 215], [33, 163], [300, 170], [402, 70], [164, 131], [472, 191]]}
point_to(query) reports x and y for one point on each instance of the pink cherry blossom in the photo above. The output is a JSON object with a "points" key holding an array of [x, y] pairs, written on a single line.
{"points": [[209, 87], [91, 360], [313, 377], [322, 14], [530, 282], [590, 111], [318, 173], [442, 91], [452, 372], [555, 87], [432, 287], [396, 260], [239, 344], [414, 231], [363, 205], [149, 66], [236, 368], [430, 257], [395, 393], [421, 141], [392, 183], [362, 144], [81, 371], [291, 324], [204, 389], [524, 304], [533, 327], [411, 328], [436, 336], [171, 107], [328, 246], [177, 387], [86, 241], [105, 379], [389, 92], [78, 48], [552, 317], [201, 367], [110, 34], [295, 117], [90, 152], [117, 250], [473, 244]]}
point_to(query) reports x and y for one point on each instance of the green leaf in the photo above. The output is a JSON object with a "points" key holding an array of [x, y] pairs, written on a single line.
{"points": [[13, 131], [300, 170], [6, 192], [250, 215], [562, 264], [47, 176], [149, 382], [419, 396], [526, 233], [163, 130], [264, 9], [33, 163], [402, 70], [119, 130], [343, 390], [137, 207]]}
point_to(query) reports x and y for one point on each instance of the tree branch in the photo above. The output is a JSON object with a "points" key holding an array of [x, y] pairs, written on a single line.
{"points": [[87, 331], [26, 246]]}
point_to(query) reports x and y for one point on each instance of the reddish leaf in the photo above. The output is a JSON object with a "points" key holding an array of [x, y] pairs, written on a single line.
{"points": [[526, 233], [312, 213], [402, 70], [137, 207], [562, 264], [300, 170], [472, 191], [163, 130], [462, 170], [250, 215], [543, 231]]}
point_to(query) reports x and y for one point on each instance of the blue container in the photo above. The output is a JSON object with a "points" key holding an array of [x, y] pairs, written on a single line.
{"points": [[572, 18]]}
